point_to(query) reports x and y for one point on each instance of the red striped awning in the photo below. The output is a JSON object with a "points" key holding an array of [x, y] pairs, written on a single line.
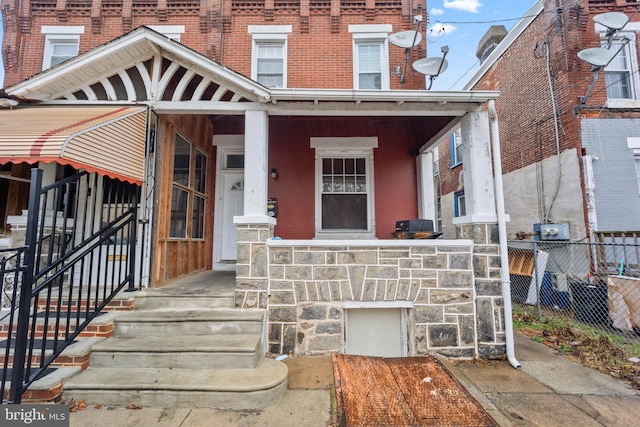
{"points": [[107, 140]]}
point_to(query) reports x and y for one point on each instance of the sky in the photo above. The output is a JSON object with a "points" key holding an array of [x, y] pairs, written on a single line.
{"points": [[458, 24]]}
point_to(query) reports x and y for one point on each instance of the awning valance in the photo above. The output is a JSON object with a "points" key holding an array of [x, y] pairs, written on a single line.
{"points": [[106, 140]]}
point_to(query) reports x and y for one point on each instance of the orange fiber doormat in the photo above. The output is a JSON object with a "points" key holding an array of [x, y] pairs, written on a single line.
{"points": [[405, 391]]}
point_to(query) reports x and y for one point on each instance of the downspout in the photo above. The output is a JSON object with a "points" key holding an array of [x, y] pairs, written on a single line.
{"points": [[502, 233]]}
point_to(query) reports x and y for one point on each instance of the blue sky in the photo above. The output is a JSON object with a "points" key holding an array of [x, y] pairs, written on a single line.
{"points": [[459, 24]]}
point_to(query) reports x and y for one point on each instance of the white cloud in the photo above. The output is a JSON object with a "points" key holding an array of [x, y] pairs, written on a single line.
{"points": [[436, 12], [463, 5], [440, 29]]}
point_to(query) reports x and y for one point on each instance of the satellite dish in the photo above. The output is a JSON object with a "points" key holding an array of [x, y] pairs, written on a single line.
{"points": [[612, 20], [430, 66], [405, 39], [597, 56]]}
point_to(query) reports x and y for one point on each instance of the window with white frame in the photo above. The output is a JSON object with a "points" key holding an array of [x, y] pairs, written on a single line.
{"points": [[621, 75], [171, 31], [458, 204], [344, 186], [61, 43], [436, 161], [370, 56], [269, 54], [634, 145], [456, 148]]}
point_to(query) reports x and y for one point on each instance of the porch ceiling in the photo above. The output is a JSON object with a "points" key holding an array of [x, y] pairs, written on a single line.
{"points": [[106, 140]]}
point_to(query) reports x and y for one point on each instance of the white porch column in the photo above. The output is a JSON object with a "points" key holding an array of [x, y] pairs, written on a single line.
{"points": [[426, 190], [479, 192], [256, 141]]}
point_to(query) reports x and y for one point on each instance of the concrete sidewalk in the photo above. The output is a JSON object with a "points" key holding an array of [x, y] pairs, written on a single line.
{"points": [[549, 390]]}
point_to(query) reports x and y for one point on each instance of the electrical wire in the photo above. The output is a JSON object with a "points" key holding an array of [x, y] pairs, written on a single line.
{"points": [[557, 134]]}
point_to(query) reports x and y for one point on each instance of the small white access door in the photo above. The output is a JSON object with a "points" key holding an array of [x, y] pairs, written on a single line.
{"points": [[375, 332], [232, 205]]}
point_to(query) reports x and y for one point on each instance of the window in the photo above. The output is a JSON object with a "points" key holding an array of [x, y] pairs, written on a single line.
{"points": [[370, 56], [344, 187], [618, 73], [270, 64], [171, 31], [188, 193], [269, 54], [621, 75], [344, 193], [456, 148], [436, 161], [61, 43], [634, 145], [458, 204]]}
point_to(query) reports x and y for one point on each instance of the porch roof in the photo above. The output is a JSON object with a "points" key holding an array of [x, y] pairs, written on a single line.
{"points": [[106, 140]]}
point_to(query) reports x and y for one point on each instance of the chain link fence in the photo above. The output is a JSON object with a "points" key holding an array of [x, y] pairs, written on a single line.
{"points": [[592, 284]]}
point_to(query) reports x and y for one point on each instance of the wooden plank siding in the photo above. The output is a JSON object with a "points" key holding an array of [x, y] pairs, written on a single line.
{"points": [[176, 257]]}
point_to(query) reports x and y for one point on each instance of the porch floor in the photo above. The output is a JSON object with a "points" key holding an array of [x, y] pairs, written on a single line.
{"points": [[202, 283]]}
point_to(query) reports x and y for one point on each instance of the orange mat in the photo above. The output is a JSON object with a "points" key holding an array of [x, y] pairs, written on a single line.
{"points": [[407, 391]]}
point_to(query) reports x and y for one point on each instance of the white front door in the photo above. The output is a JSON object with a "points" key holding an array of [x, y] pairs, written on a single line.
{"points": [[233, 203]]}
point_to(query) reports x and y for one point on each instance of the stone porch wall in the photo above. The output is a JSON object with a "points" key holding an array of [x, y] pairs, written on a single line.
{"points": [[451, 289]]}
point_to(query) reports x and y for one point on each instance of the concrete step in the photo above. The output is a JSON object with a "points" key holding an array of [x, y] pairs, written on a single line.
{"points": [[184, 352], [76, 353], [235, 389], [148, 300], [169, 324]]}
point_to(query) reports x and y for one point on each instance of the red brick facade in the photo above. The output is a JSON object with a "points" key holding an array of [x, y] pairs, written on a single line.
{"points": [[320, 54]]}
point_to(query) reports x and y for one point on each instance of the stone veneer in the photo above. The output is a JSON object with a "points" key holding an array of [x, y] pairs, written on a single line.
{"points": [[451, 289]]}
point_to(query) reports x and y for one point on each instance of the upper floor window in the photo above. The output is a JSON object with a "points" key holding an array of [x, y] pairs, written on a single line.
{"points": [[61, 43], [370, 56], [269, 54], [171, 31], [621, 75], [456, 148]]}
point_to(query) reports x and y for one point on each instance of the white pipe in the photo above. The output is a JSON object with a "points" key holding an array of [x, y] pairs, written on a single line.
{"points": [[502, 233]]}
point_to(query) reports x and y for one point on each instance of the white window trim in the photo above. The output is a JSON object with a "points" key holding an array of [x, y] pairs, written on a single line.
{"points": [[629, 31], [171, 31], [262, 34], [345, 147], [634, 144], [57, 34], [371, 33]]}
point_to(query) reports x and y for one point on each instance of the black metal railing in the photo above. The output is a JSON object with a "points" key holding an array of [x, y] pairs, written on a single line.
{"points": [[79, 253]]}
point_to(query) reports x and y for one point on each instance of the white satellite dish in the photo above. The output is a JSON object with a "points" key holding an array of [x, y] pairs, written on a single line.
{"points": [[430, 66], [405, 39], [612, 20], [597, 56]]}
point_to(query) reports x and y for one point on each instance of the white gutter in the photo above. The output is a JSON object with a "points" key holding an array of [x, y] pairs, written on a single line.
{"points": [[502, 233], [442, 97]]}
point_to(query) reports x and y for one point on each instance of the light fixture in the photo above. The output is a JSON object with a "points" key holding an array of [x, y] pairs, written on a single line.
{"points": [[274, 173]]}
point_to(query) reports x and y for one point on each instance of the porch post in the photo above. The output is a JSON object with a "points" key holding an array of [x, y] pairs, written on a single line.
{"points": [[426, 190], [480, 201], [254, 226], [481, 225], [256, 142]]}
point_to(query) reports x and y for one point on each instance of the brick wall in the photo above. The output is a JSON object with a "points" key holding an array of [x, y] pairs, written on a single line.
{"points": [[319, 48]]}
